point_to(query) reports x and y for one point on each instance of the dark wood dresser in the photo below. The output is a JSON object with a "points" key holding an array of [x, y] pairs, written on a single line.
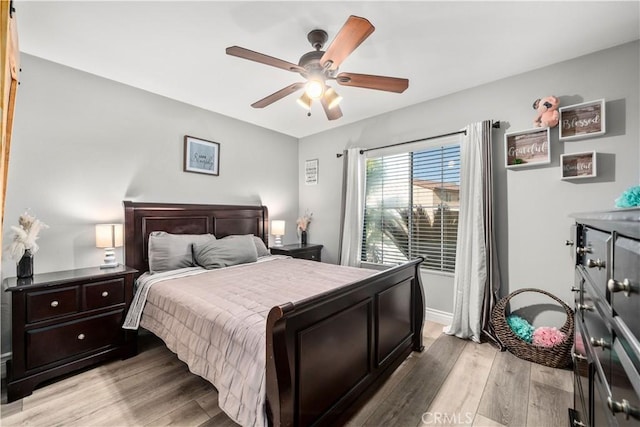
{"points": [[606, 358], [297, 250], [65, 321]]}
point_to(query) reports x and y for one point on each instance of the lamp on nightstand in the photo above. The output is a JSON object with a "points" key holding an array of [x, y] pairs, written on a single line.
{"points": [[277, 229], [109, 237]]}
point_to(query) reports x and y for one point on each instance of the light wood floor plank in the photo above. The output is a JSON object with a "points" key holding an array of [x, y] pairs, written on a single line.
{"points": [[506, 394], [413, 395], [480, 421], [460, 395], [558, 378], [547, 405], [189, 414]]}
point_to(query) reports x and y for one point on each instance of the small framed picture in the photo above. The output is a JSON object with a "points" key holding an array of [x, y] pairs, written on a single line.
{"points": [[527, 148], [311, 172], [578, 165], [201, 156], [582, 120]]}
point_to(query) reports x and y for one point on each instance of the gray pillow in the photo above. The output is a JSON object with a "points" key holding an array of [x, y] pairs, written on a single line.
{"points": [[225, 252], [261, 248], [172, 251]]}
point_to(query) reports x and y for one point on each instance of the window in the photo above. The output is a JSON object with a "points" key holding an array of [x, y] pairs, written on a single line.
{"points": [[411, 207]]}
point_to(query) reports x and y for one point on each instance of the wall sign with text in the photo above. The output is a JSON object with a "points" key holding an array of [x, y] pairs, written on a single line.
{"points": [[311, 172], [582, 120], [578, 165], [527, 148]]}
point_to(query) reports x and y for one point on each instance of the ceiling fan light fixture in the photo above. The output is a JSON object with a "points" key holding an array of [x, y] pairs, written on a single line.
{"points": [[304, 101], [314, 88], [332, 97]]}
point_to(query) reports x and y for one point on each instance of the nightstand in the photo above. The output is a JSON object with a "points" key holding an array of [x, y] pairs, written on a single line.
{"points": [[308, 251], [65, 321]]}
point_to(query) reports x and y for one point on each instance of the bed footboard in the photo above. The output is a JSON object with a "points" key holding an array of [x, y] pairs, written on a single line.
{"points": [[329, 353]]}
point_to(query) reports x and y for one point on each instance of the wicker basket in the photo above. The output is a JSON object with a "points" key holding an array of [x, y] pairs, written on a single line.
{"points": [[558, 356]]}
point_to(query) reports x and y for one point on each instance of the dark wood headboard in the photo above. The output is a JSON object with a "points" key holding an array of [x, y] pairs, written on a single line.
{"points": [[140, 219]]}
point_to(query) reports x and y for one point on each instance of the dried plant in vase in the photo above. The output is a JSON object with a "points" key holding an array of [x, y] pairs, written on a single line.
{"points": [[303, 223], [24, 246]]}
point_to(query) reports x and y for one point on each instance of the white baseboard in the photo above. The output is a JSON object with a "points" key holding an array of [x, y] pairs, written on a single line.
{"points": [[4, 357], [439, 316]]}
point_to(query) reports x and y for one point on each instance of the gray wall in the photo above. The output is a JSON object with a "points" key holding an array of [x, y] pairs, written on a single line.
{"points": [[82, 144], [532, 204]]}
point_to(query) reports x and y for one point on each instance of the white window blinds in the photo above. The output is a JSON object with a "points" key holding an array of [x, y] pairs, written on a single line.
{"points": [[412, 205]]}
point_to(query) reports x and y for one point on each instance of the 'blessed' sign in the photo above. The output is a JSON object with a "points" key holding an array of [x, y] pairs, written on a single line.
{"points": [[581, 120]]}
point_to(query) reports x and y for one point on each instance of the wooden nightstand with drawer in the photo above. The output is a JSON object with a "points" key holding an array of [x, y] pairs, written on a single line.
{"points": [[307, 251], [65, 321]]}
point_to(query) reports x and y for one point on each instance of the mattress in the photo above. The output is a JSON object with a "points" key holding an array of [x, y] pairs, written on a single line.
{"points": [[215, 321]]}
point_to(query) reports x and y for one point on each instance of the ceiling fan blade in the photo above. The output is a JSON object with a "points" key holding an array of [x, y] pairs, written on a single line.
{"points": [[332, 113], [352, 33], [241, 52], [277, 95], [389, 84]]}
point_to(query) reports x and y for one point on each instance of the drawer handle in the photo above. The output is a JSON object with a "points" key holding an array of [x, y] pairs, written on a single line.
{"points": [[579, 423], [81, 337], [578, 356], [54, 303], [623, 406], [597, 263], [600, 343], [105, 294], [617, 286], [574, 289], [584, 307], [568, 242], [583, 250]]}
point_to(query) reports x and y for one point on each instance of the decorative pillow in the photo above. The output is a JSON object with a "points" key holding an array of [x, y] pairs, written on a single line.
{"points": [[225, 252], [172, 251], [261, 248]]}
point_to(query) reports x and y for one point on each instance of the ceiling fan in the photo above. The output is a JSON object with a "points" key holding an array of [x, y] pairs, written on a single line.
{"points": [[319, 66]]}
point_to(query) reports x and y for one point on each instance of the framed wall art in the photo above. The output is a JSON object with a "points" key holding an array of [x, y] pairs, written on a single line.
{"points": [[527, 148], [311, 172], [582, 120], [578, 165], [201, 156]]}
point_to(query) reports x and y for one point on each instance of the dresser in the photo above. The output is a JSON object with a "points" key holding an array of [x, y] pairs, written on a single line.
{"points": [[297, 250], [65, 321], [605, 248]]}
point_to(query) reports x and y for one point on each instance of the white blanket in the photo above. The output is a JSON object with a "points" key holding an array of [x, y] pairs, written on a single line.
{"points": [[215, 321]]}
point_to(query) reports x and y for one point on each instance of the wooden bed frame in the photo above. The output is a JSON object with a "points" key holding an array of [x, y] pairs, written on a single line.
{"points": [[326, 355]]}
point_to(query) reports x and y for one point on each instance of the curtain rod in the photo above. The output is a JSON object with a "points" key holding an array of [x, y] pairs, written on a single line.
{"points": [[495, 125]]}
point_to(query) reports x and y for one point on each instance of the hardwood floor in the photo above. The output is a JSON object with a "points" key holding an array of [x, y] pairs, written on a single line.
{"points": [[453, 382]]}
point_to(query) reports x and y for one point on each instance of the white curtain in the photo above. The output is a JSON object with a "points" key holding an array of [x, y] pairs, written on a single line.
{"points": [[470, 278], [352, 207]]}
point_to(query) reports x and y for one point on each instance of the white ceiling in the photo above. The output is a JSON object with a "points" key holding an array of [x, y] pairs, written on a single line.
{"points": [[177, 48]]}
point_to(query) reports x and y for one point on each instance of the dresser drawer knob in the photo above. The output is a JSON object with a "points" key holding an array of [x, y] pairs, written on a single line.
{"points": [[568, 242], [574, 289], [583, 250], [54, 303], [600, 342], [578, 356], [617, 286], [81, 337], [584, 307], [105, 294], [595, 263], [624, 407]]}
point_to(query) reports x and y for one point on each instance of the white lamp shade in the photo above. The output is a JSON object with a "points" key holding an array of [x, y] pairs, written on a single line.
{"points": [[108, 235], [277, 227]]}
